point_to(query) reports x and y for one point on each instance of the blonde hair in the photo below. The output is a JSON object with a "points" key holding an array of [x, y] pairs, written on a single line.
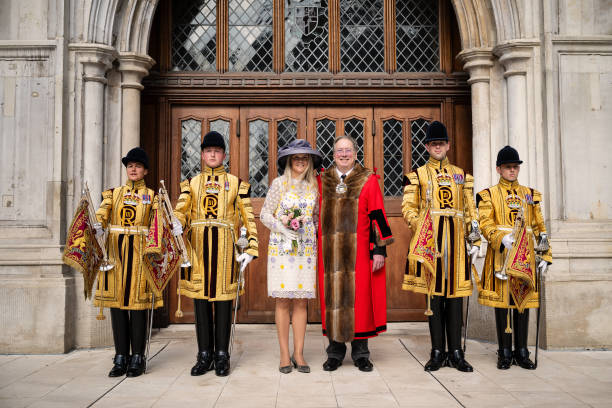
{"points": [[308, 175]]}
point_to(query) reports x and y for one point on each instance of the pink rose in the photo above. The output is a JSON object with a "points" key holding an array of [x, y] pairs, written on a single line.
{"points": [[284, 219], [295, 224]]}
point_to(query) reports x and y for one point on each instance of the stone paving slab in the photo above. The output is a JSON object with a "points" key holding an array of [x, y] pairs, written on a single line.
{"points": [[79, 378]]}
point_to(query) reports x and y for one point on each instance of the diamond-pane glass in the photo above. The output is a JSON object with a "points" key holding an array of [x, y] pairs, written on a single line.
{"points": [[354, 128], [258, 157], [418, 129], [392, 152], [250, 35], [194, 42], [191, 138], [326, 134], [223, 126], [286, 131], [306, 36], [417, 36], [362, 47]]}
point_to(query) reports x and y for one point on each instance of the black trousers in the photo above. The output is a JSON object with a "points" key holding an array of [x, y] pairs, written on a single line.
{"points": [[129, 327], [213, 330], [359, 348], [520, 322], [445, 323]]}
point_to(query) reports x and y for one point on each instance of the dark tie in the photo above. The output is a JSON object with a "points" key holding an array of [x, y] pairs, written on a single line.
{"points": [[342, 177]]}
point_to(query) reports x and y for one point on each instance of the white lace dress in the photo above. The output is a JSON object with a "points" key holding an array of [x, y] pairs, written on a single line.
{"points": [[291, 273]]}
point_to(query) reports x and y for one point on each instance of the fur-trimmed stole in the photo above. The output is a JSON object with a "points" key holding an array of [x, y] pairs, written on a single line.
{"points": [[339, 213]]}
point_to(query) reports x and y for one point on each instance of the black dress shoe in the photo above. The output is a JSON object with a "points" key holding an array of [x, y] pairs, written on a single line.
{"points": [[120, 365], [504, 359], [456, 359], [363, 364], [203, 364], [437, 359], [521, 358], [222, 363], [137, 365], [331, 364]]}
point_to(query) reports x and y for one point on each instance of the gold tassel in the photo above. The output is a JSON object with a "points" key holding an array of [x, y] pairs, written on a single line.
{"points": [[428, 312], [179, 312], [508, 328], [100, 315]]}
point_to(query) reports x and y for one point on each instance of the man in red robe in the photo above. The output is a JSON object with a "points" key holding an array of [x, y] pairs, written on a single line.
{"points": [[353, 235]]}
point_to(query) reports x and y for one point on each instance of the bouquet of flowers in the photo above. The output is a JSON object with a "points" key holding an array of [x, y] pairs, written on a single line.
{"points": [[293, 219]]}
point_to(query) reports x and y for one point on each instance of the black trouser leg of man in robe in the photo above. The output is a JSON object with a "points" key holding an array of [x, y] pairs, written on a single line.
{"points": [[521, 331], [359, 353], [138, 338], [504, 340], [445, 325], [120, 323], [213, 335]]}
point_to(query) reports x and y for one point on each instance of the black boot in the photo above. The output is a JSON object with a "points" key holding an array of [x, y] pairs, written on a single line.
{"points": [[203, 364], [456, 359], [436, 361], [120, 365], [521, 358], [504, 359], [222, 363], [137, 365]]}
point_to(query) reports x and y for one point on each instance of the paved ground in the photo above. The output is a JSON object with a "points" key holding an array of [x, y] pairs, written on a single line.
{"points": [[79, 379]]}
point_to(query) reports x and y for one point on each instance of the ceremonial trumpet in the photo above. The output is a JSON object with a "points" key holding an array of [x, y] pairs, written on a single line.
{"points": [[518, 222], [167, 208]]}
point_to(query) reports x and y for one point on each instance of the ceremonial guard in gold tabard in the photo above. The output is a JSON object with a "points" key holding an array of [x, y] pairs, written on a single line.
{"points": [[443, 193], [498, 207], [126, 212], [211, 207]]}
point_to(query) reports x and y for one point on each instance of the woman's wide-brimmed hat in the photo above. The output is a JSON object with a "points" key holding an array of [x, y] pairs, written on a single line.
{"points": [[298, 146]]}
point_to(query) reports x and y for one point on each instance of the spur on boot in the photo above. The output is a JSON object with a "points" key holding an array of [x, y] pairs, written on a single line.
{"points": [[456, 359], [521, 358], [437, 360], [137, 365], [203, 364], [222, 363], [120, 365]]}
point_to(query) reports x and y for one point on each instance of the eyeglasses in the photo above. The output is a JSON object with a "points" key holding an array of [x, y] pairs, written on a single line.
{"points": [[344, 151]]}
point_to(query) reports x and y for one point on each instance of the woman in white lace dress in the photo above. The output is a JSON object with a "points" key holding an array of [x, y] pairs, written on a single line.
{"points": [[292, 255]]}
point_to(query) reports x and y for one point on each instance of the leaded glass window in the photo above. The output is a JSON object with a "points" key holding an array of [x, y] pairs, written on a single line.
{"points": [[223, 127], [194, 30], [191, 139], [355, 128], [306, 36], [286, 132], [392, 152], [362, 44], [250, 35], [326, 134], [418, 130], [258, 157], [417, 37]]}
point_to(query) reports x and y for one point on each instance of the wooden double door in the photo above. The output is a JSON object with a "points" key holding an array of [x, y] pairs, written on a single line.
{"points": [[389, 139]]}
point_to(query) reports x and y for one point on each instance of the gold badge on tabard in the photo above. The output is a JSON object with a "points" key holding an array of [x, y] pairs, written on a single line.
{"points": [[341, 188]]}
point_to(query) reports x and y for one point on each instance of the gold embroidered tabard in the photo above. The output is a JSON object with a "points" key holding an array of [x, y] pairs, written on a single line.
{"points": [[497, 209], [452, 210], [126, 212], [211, 207]]}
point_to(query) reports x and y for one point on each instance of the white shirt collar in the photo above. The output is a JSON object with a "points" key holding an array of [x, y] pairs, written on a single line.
{"points": [[347, 173]]}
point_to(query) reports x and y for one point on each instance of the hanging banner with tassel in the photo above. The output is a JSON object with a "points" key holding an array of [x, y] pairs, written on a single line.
{"points": [[423, 250], [521, 268]]}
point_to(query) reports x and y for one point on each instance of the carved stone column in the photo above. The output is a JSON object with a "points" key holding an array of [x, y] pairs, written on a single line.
{"points": [[478, 62], [133, 68]]}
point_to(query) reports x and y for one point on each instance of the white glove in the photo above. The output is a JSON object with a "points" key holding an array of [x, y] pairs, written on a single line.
{"points": [[289, 234], [99, 230], [177, 228], [244, 260], [507, 241], [474, 252], [474, 225], [543, 266]]}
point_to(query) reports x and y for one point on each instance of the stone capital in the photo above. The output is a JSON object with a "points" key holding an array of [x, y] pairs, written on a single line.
{"points": [[514, 56], [478, 62], [96, 60], [133, 68]]}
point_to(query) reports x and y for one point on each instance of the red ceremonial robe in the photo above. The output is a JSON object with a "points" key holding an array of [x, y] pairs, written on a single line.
{"points": [[351, 225]]}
